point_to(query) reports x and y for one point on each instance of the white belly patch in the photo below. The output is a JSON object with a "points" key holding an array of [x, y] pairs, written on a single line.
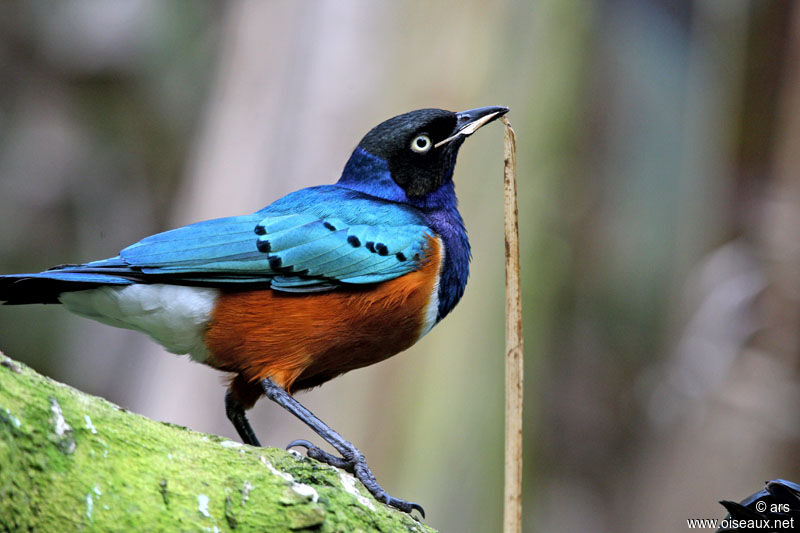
{"points": [[432, 311], [175, 316]]}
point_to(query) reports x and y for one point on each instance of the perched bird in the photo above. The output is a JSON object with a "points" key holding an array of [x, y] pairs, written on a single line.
{"points": [[322, 281]]}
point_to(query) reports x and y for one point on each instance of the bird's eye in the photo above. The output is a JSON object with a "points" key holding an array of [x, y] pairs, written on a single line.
{"points": [[421, 144]]}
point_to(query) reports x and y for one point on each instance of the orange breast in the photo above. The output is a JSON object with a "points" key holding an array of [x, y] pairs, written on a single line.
{"points": [[302, 340]]}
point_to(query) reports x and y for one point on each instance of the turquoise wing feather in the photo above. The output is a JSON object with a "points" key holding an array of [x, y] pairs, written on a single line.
{"points": [[314, 241], [220, 245]]}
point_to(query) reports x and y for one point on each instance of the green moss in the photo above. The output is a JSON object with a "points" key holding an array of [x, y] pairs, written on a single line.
{"points": [[114, 470]]}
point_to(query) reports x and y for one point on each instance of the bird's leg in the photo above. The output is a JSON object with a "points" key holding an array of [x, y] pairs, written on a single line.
{"points": [[352, 459], [238, 418]]}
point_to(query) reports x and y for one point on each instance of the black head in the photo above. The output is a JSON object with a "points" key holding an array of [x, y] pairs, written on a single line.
{"points": [[420, 147]]}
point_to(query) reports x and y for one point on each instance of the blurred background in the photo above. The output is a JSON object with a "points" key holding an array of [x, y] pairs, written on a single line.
{"points": [[659, 180]]}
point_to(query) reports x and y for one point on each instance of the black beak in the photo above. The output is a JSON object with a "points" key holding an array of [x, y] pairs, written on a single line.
{"points": [[469, 121]]}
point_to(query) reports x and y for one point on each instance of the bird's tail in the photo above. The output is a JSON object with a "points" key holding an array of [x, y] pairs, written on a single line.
{"points": [[45, 287]]}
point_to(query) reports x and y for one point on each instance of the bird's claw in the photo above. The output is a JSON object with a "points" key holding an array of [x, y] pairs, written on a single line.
{"points": [[404, 506], [321, 455], [362, 472], [300, 442], [357, 465]]}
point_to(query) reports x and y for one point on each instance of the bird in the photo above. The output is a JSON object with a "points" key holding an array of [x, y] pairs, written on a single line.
{"points": [[324, 280]]}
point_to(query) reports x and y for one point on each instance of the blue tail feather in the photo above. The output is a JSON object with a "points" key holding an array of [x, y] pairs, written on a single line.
{"points": [[44, 287]]}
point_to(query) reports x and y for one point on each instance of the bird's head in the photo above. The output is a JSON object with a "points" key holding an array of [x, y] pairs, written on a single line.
{"points": [[410, 156]]}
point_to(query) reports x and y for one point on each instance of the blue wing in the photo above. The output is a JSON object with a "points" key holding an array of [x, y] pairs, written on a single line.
{"points": [[310, 239], [313, 239]]}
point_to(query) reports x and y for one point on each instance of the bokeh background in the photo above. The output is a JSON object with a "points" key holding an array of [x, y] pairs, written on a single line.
{"points": [[659, 180]]}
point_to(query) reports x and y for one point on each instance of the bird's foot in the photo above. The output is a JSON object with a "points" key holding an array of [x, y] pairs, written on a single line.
{"points": [[357, 465], [322, 456]]}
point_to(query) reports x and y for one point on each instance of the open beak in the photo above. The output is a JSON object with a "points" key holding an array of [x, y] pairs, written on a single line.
{"points": [[470, 120]]}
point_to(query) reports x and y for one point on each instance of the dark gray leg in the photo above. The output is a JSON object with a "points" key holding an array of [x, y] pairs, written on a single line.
{"points": [[236, 415], [352, 459]]}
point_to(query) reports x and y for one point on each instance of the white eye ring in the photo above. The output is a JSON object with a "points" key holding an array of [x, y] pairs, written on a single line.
{"points": [[421, 144]]}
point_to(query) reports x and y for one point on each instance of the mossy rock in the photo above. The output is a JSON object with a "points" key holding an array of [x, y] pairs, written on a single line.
{"points": [[74, 462]]}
